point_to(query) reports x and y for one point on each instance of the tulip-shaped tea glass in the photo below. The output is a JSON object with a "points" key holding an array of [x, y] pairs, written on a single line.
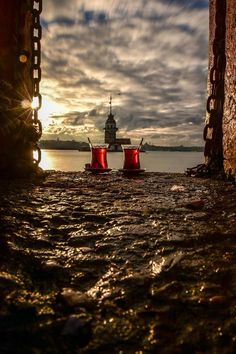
{"points": [[131, 159], [99, 159]]}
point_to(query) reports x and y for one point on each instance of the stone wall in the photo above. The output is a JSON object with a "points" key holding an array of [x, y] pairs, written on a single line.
{"points": [[18, 133], [229, 119], [229, 111], [15, 39]]}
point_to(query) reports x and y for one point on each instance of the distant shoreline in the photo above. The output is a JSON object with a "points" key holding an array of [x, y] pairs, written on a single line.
{"points": [[82, 146]]}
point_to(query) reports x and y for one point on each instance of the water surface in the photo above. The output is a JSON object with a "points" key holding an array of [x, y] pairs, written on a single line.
{"points": [[153, 161]]}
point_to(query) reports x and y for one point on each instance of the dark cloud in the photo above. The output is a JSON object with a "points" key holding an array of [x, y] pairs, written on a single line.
{"points": [[62, 21], [93, 113], [152, 51], [72, 118], [194, 4], [92, 16]]}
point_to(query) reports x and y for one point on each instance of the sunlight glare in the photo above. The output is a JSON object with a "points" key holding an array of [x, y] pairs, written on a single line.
{"points": [[46, 161], [25, 104], [48, 109], [35, 103]]}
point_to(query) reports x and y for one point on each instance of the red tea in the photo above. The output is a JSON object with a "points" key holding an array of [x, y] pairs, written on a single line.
{"points": [[131, 158], [99, 157]]}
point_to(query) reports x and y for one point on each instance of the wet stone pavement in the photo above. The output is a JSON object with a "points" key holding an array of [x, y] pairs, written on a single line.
{"points": [[116, 265]]}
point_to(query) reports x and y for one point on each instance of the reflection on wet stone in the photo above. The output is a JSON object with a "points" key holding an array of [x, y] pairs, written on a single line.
{"points": [[106, 264]]}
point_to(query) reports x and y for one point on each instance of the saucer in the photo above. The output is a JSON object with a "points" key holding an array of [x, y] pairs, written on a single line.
{"points": [[97, 170], [132, 171]]}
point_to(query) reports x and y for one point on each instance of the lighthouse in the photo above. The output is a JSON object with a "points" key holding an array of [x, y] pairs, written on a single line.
{"points": [[110, 127], [110, 132]]}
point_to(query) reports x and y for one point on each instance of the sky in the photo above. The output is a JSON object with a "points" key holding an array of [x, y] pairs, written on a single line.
{"points": [[150, 55]]}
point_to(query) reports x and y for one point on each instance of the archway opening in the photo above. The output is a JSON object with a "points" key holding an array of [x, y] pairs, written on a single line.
{"points": [[153, 53]]}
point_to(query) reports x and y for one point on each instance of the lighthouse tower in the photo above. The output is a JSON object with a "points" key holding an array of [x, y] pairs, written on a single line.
{"points": [[110, 127]]}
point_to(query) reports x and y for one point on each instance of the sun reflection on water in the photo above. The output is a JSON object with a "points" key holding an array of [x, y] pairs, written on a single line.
{"points": [[47, 161]]}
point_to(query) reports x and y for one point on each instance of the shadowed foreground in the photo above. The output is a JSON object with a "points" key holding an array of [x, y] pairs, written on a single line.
{"points": [[107, 264]]}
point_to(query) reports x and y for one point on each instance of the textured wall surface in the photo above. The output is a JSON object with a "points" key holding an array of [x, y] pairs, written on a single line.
{"points": [[8, 38], [229, 120], [211, 39], [15, 37], [229, 112], [18, 134]]}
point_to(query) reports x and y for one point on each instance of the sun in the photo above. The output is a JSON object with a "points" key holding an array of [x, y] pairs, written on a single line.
{"points": [[48, 109]]}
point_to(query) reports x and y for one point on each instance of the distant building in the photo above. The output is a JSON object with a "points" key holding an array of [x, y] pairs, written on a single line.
{"points": [[110, 133]]}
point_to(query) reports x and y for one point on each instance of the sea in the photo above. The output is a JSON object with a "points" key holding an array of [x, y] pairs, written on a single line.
{"points": [[152, 161]]}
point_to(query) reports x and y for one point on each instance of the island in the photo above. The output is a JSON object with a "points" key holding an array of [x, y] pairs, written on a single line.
{"points": [[83, 146]]}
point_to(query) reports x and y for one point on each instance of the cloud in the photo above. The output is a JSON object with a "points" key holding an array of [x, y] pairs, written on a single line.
{"points": [[195, 4], [154, 52]]}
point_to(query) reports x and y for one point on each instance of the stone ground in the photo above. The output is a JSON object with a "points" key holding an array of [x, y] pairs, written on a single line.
{"points": [[111, 264]]}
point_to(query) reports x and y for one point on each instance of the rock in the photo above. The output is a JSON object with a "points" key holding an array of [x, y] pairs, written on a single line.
{"points": [[196, 204], [73, 324], [8, 282], [165, 290], [177, 188], [165, 263], [95, 218], [73, 298], [217, 299], [79, 327]]}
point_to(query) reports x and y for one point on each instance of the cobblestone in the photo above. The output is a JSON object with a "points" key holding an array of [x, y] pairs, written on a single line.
{"points": [[110, 264]]}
